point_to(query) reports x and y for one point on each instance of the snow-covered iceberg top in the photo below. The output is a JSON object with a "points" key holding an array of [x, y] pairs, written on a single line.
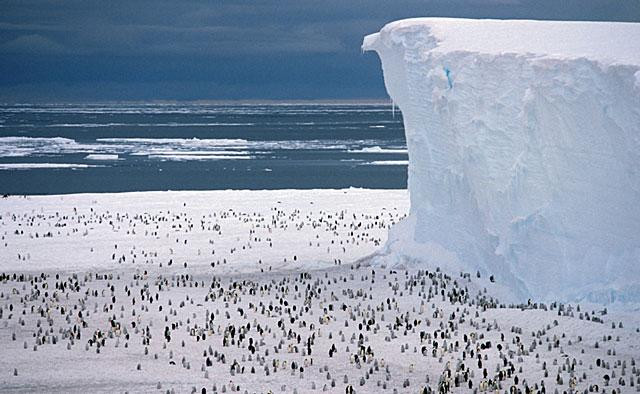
{"points": [[524, 151], [606, 42]]}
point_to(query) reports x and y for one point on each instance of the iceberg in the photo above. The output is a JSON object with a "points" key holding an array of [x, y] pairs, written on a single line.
{"points": [[524, 152]]}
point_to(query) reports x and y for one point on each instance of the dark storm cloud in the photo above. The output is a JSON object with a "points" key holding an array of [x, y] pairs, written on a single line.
{"points": [[158, 49]]}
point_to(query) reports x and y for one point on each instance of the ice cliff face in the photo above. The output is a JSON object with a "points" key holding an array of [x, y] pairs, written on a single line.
{"points": [[524, 151]]}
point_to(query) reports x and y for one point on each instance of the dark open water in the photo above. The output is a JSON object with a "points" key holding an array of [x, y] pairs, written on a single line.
{"points": [[52, 149]]}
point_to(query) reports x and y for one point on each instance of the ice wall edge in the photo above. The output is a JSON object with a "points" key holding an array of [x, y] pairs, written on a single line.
{"points": [[524, 160]]}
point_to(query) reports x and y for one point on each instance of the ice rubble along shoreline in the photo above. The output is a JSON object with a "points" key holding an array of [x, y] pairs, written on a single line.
{"points": [[524, 151]]}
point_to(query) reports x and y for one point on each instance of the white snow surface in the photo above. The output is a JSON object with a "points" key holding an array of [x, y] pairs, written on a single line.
{"points": [[524, 151], [194, 263], [605, 42], [46, 244]]}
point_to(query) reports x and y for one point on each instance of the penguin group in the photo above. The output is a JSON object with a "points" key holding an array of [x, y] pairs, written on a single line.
{"points": [[177, 325]]}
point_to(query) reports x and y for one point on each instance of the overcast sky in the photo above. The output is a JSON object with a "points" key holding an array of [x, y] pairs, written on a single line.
{"points": [[79, 50]]}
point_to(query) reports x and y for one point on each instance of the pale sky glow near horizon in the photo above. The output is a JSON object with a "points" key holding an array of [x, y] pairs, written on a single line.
{"points": [[85, 50]]}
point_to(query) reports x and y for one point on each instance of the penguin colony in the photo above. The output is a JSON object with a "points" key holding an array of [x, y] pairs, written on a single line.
{"points": [[150, 317]]}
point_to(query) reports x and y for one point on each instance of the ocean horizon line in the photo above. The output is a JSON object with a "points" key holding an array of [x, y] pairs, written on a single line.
{"points": [[239, 102]]}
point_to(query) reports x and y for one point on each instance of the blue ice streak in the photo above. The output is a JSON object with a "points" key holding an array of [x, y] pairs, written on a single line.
{"points": [[448, 74]]}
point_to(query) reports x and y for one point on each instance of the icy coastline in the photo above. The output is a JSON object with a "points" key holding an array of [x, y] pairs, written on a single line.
{"points": [[524, 151]]}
